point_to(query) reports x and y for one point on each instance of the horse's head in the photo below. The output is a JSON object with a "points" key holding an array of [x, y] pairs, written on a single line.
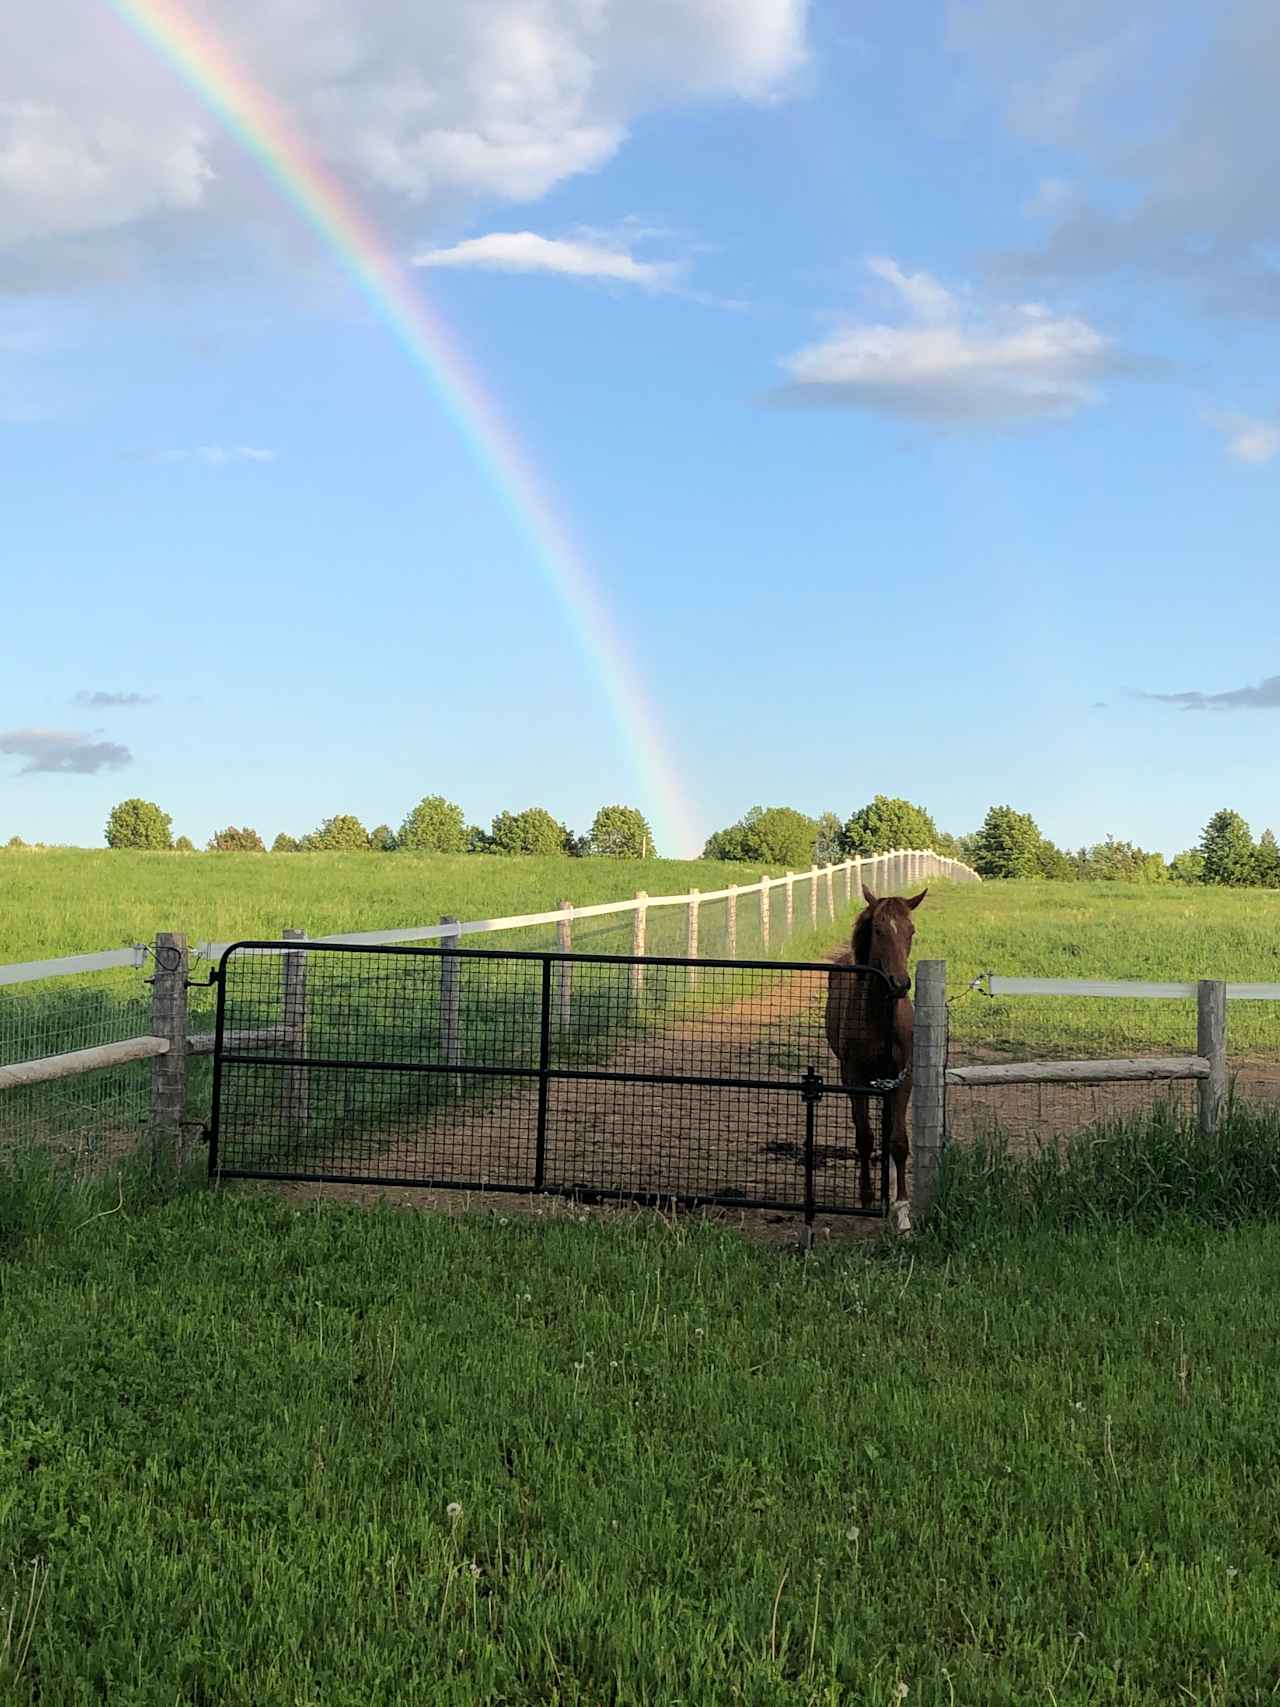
{"points": [[882, 936]]}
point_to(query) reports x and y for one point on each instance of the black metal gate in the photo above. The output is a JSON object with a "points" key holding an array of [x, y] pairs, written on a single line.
{"points": [[600, 1077]]}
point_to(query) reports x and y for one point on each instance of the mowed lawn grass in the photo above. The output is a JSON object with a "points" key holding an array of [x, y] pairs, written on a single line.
{"points": [[254, 1457]]}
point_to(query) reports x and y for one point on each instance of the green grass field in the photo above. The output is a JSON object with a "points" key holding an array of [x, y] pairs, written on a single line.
{"points": [[263, 1458]]}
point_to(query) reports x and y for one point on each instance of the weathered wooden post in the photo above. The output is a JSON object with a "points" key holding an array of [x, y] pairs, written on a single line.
{"points": [[1211, 1042], [691, 937], [764, 914], [831, 895], [564, 968], [789, 880], [293, 974], [731, 923], [451, 1004], [169, 1071], [928, 1080], [637, 940], [848, 883], [813, 898]]}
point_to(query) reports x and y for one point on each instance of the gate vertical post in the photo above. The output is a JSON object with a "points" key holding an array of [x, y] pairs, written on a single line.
{"points": [[169, 1071], [637, 939], [293, 975], [731, 923], [691, 937], [928, 1081], [564, 970], [451, 1004], [544, 1078], [1211, 1042], [764, 913], [812, 1094]]}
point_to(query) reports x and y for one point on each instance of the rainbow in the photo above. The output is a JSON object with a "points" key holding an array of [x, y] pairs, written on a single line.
{"points": [[262, 127]]}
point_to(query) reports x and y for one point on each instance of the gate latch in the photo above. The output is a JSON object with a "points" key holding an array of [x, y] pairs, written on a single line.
{"points": [[811, 1086]]}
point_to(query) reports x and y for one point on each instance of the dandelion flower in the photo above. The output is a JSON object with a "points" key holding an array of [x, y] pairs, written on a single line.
{"points": [[453, 1510]]}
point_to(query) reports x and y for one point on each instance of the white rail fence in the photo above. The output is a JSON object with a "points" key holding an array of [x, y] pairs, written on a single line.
{"points": [[781, 905]]}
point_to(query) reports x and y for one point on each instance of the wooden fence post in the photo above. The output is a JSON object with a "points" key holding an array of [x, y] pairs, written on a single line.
{"points": [[450, 1004], [293, 975], [691, 937], [831, 895], [169, 1071], [564, 970], [731, 923], [764, 913], [813, 898], [637, 940], [928, 1080], [789, 880], [1211, 1042], [848, 883]]}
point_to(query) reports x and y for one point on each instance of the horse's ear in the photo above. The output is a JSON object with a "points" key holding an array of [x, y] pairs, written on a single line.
{"points": [[914, 901], [870, 898]]}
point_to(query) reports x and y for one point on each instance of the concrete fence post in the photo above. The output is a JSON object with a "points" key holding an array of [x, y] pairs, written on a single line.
{"points": [[637, 939], [169, 1071], [564, 968], [731, 923], [293, 977], [928, 1080], [1211, 1042], [764, 914]]}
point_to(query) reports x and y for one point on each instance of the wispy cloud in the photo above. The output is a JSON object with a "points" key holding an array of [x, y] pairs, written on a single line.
{"points": [[1264, 697], [216, 456], [62, 750], [951, 361], [1248, 439], [101, 700], [577, 258]]}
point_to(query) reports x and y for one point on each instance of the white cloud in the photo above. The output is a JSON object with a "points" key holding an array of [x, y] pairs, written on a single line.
{"points": [[1248, 440], [216, 456], [428, 107], [525, 252], [951, 361]]}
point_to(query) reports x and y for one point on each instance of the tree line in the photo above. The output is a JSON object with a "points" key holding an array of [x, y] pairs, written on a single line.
{"points": [[434, 825]]}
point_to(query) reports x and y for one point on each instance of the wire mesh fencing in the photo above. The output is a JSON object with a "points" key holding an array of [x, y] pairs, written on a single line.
{"points": [[1157, 1034], [653, 1079], [87, 1120]]}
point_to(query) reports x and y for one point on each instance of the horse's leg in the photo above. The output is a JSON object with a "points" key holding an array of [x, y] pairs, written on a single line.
{"points": [[896, 1140], [866, 1143]]}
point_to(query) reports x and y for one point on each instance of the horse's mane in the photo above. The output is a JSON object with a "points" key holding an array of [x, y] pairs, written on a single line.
{"points": [[862, 936]]}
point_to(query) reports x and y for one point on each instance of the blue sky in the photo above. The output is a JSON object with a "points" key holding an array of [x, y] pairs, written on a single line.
{"points": [[904, 373]]}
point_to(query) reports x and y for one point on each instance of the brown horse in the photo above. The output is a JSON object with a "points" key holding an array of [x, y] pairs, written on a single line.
{"points": [[869, 1026]]}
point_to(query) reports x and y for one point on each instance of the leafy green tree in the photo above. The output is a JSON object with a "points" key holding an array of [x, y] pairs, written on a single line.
{"points": [[1187, 867], [478, 839], [1268, 860], [232, 840], [1007, 845], [884, 824], [15, 844], [1052, 863], [184, 844], [435, 825], [139, 824], [727, 844], [767, 835], [533, 831], [343, 833], [382, 839], [1230, 856], [286, 844], [1113, 861], [828, 841], [621, 832]]}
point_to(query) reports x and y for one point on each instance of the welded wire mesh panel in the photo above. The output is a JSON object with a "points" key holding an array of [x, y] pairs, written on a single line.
{"points": [[1005, 1031], [654, 1078], [92, 1118]]}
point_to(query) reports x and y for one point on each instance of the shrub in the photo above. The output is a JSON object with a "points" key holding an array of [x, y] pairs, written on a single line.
{"points": [[533, 831], [232, 840], [435, 825], [620, 832], [139, 824], [341, 834]]}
